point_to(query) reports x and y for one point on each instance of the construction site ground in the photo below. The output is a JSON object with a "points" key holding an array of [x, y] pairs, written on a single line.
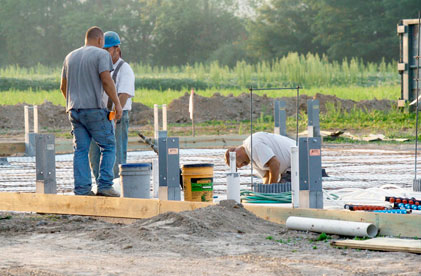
{"points": [[223, 239]]}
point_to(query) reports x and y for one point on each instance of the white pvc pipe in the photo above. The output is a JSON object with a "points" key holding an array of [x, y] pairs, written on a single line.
{"points": [[233, 186], [164, 117], [330, 226], [155, 120], [36, 124], [233, 162], [155, 177], [233, 179], [295, 180], [26, 116]]}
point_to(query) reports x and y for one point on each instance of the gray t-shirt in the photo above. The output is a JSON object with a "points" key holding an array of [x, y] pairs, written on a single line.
{"points": [[81, 69]]}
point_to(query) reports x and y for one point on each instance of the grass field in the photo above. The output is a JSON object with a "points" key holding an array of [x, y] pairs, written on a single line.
{"points": [[309, 71], [348, 79]]}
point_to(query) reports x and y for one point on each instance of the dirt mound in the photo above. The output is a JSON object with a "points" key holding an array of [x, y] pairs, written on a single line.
{"points": [[217, 107], [232, 108], [49, 116], [226, 217], [178, 232]]}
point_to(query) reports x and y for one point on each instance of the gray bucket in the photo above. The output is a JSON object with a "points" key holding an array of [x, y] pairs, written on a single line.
{"points": [[135, 180]]}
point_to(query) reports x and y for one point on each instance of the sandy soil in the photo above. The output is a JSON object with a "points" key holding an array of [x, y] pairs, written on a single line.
{"points": [[217, 107], [224, 239]]}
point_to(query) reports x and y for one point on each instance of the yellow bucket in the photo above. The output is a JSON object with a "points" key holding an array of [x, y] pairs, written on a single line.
{"points": [[198, 182]]}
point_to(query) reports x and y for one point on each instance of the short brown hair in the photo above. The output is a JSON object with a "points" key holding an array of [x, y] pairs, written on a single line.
{"points": [[227, 154], [94, 32]]}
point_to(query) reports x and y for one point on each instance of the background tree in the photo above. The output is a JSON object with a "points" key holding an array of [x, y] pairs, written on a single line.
{"points": [[364, 29], [282, 26], [188, 31]]}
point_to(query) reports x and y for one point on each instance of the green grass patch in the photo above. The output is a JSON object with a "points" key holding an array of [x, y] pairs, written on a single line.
{"points": [[292, 70]]}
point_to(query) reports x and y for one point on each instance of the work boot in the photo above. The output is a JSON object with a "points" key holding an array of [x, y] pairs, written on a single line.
{"points": [[88, 194], [108, 192]]}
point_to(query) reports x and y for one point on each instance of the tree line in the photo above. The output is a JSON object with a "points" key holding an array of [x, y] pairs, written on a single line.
{"points": [[167, 32]]}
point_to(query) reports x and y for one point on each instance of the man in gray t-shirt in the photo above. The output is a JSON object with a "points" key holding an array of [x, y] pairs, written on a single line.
{"points": [[85, 76]]}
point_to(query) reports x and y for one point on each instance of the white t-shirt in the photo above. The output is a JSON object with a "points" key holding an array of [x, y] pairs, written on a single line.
{"points": [[124, 83], [265, 146]]}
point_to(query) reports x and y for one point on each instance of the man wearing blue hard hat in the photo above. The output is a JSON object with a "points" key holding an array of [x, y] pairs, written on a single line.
{"points": [[124, 80]]}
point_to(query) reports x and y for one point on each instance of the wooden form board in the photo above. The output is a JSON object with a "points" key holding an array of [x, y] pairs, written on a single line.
{"points": [[383, 244], [388, 224], [7, 149], [186, 142], [92, 205]]}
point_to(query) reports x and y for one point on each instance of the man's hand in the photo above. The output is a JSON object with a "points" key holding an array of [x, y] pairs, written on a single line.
{"points": [[109, 88], [118, 112]]}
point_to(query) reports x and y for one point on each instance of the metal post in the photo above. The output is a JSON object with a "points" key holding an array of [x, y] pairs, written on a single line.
{"points": [[304, 194], [45, 164], [162, 154], [282, 118], [276, 117], [315, 172], [313, 118], [173, 168]]}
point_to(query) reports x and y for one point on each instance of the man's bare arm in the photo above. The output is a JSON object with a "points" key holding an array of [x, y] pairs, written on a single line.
{"points": [[266, 178], [274, 170], [109, 88], [63, 87], [123, 97]]}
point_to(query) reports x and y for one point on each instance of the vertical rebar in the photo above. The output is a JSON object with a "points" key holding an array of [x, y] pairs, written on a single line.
{"points": [[251, 135], [417, 80], [297, 111]]}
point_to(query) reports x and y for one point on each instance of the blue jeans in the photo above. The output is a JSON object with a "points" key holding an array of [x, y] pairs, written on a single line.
{"points": [[121, 137], [93, 124]]}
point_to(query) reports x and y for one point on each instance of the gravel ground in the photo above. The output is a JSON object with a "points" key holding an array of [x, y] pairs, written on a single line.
{"points": [[223, 239]]}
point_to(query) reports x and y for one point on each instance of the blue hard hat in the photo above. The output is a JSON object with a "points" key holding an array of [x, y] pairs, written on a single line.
{"points": [[111, 39]]}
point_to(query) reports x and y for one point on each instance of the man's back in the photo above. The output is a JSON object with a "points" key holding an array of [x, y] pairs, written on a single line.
{"points": [[82, 69], [265, 146]]}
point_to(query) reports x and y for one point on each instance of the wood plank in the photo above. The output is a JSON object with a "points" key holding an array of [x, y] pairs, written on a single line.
{"points": [[93, 205], [186, 142], [79, 205], [382, 244], [388, 224], [10, 148]]}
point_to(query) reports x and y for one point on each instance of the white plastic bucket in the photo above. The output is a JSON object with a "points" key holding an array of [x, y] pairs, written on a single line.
{"points": [[135, 180]]}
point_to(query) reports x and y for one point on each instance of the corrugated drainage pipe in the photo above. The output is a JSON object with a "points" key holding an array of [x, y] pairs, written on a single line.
{"points": [[330, 226]]}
